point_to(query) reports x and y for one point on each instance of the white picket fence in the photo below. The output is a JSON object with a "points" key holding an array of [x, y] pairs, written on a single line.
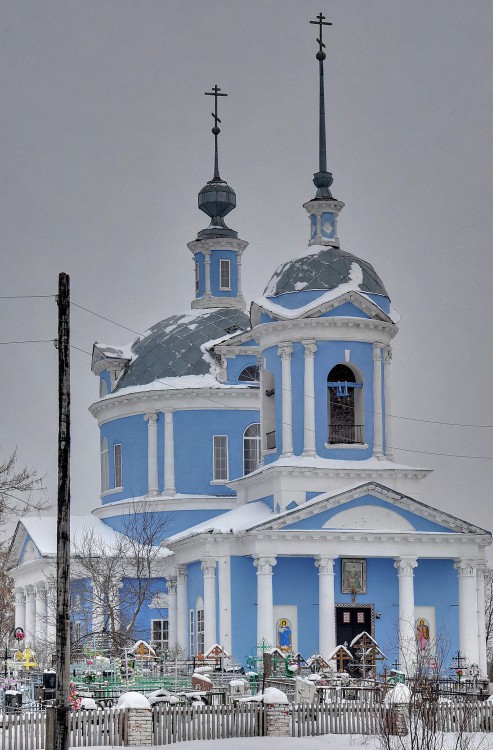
{"points": [[27, 731]]}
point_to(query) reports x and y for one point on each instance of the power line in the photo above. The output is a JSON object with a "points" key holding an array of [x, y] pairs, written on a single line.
{"points": [[27, 296], [108, 320], [29, 341]]}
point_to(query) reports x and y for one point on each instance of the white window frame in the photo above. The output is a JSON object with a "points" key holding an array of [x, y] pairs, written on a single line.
{"points": [[103, 388], [200, 630], [163, 626], [117, 466], [252, 444], [226, 264], [220, 473], [105, 466], [191, 631]]}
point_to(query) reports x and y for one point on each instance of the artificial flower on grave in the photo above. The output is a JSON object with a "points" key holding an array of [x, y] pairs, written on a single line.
{"points": [[74, 700]]}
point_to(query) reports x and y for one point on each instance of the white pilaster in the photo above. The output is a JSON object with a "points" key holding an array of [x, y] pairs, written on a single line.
{"points": [[285, 351], [224, 573], [238, 272], [30, 616], [172, 623], [309, 399], [209, 571], [483, 662], [407, 638], [20, 609], [326, 606], [41, 612], [377, 401], [152, 462], [182, 609], [387, 390], [468, 606], [169, 454], [265, 606]]}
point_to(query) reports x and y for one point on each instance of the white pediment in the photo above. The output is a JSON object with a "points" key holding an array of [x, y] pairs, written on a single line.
{"points": [[369, 517]]}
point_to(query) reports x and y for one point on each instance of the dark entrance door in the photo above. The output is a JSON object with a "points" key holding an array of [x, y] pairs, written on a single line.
{"points": [[350, 622]]}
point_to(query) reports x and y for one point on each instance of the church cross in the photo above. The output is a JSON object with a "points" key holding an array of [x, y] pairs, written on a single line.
{"points": [[321, 22], [216, 91]]}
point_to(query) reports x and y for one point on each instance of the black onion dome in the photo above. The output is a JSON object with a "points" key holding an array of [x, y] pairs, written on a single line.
{"points": [[325, 270], [217, 199], [172, 347]]}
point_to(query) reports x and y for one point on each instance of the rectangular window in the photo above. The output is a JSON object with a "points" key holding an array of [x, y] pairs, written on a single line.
{"points": [[160, 634], [200, 631], [192, 634], [224, 274], [220, 457], [197, 278], [105, 471], [117, 454]]}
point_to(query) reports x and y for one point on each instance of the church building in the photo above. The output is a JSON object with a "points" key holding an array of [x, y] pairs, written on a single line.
{"points": [[263, 438]]}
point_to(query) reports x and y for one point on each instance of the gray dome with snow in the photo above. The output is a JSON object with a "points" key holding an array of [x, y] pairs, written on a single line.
{"points": [[327, 269], [176, 346]]}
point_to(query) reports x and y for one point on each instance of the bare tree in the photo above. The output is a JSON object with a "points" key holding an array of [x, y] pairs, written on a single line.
{"points": [[7, 598], [17, 490], [116, 579]]}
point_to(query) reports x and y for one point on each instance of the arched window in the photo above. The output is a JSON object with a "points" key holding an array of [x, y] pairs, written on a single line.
{"points": [[269, 410], [250, 374], [103, 388], [251, 448], [344, 406], [105, 467]]}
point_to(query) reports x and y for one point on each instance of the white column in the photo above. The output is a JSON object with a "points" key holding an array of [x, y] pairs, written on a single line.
{"points": [[387, 387], [30, 615], [172, 624], [182, 609], [309, 399], [407, 638], [207, 273], [326, 606], [209, 571], [468, 606], [51, 615], [377, 401], [265, 607], [169, 454], [285, 351], [260, 364], [480, 571], [224, 573], [152, 463], [41, 613], [20, 609], [238, 267]]}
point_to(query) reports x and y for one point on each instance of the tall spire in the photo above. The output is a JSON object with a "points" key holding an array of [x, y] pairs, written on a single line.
{"points": [[217, 198], [322, 179]]}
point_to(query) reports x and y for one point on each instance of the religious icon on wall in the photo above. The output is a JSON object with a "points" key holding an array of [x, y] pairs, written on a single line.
{"points": [[284, 635], [353, 576], [422, 633]]}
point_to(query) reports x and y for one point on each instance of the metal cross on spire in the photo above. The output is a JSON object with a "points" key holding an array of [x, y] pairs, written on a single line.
{"points": [[323, 179], [216, 91]]}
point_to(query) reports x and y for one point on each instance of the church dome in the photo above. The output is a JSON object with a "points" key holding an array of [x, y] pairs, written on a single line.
{"points": [[325, 270], [177, 346]]}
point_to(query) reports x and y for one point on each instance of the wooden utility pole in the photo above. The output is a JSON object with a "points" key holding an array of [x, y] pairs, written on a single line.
{"points": [[61, 723]]}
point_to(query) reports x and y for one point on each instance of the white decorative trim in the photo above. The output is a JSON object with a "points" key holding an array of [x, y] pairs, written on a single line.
{"points": [[347, 446]]}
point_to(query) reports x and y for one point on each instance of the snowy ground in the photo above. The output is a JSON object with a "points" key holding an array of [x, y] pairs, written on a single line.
{"points": [[325, 742]]}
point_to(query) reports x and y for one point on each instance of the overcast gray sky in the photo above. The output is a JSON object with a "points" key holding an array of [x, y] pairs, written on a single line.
{"points": [[105, 142]]}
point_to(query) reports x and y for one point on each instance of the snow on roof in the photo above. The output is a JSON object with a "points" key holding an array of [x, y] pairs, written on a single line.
{"points": [[233, 521], [133, 700], [43, 531]]}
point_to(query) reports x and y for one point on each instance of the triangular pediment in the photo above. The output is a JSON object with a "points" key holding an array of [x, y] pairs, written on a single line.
{"points": [[369, 507], [23, 548], [325, 303]]}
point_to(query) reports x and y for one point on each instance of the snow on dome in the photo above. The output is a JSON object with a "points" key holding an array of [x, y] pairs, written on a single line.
{"points": [[133, 700], [327, 269], [174, 347], [274, 695]]}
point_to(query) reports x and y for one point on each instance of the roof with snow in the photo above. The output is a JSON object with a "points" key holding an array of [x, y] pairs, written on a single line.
{"points": [[178, 345], [329, 268]]}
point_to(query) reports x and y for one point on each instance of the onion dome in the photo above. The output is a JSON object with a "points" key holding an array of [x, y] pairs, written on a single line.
{"points": [[217, 199]]}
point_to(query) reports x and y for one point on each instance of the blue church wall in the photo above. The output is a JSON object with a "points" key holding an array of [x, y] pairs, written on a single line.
{"points": [[295, 581], [436, 584], [311, 495], [268, 500], [250, 342], [174, 522], [272, 362], [243, 608], [295, 300], [346, 310], [329, 354], [216, 256], [142, 627], [265, 318], [200, 263], [131, 432], [237, 364], [105, 375], [319, 520], [80, 604], [195, 430]]}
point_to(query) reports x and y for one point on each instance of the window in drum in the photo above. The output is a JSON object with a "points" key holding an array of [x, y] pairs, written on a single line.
{"points": [[224, 274], [251, 448], [220, 457], [117, 455], [105, 472]]}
